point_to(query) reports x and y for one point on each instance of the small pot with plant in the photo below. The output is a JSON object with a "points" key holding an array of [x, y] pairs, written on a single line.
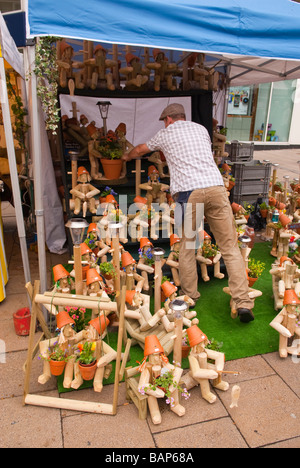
{"points": [[264, 208], [185, 347], [86, 360], [107, 269], [255, 270], [57, 359], [111, 153], [248, 209]]}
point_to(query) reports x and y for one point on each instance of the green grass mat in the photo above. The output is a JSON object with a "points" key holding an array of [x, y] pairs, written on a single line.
{"points": [[240, 340]]}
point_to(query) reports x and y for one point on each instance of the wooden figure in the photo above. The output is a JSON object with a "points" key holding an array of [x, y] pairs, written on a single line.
{"points": [[126, 146], [170, 293], [163, 71], [201, 368], [136, 74], [88, 260], [157, 365], [285, 235], [158, 158], [62, 279], [97, 245], [156, 191], [96, 286], [132, 278], [112, 214], [146, 261], [238, 213], [94, 155], [84, 194], [173, 258], [66, 66], [285, 275], [144, 222], [208, 254], [100, 77], [286, 325]]}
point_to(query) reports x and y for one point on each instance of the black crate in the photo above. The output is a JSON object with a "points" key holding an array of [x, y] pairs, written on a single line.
{"points": [[239, 152]]}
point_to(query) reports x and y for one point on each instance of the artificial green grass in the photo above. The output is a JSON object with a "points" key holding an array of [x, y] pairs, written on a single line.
{"points": [[239, 339]]}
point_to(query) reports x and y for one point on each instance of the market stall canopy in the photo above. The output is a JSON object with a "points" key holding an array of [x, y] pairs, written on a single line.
{"points": [[268, 28], [9, 49]]}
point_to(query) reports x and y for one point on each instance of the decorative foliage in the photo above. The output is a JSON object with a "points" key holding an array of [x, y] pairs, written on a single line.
{"points": [[147, 256], [256, 268], [46, 71], [248, 208], [86, 352], [209, 250], [56, 354], [107, 268], [110, 147], [77, 314]]}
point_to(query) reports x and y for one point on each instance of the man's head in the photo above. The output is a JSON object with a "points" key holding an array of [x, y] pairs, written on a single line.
{"points": [[174, 111]]}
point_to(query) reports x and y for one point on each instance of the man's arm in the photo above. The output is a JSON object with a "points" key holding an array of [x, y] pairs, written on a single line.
{"points": [[137, 152]]}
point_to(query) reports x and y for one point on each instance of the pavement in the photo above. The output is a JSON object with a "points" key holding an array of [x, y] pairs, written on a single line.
{"points": [[267, 415]]}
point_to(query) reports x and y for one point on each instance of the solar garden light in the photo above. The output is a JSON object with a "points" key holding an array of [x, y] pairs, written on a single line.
{"points": [[244, 240], [77, 227], [103, 109], [178, 307], [158, 253]]}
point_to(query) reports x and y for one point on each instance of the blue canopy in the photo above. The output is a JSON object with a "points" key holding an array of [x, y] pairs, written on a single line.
{"points": [[261, 28]]}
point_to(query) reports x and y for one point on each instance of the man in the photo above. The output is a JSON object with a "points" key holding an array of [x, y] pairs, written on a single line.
{"points": [[195, 179]]}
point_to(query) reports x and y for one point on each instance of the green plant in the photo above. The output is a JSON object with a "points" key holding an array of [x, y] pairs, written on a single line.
{"points": [[78, 315], [256, 268], [164, 279], [209, 250], [248, 208], [107, 191], [46, 70], [214, 344], [164, 382], [55, 354], [264, 206], [110, 147], [107, 268], [86, 352], [147, 256]]}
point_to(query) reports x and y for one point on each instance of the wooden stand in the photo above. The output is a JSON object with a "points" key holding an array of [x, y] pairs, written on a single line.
{"points": [[61, 403]]}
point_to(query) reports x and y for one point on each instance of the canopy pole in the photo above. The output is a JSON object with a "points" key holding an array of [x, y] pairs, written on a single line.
{"points": [[13, 171], [37, 170]]}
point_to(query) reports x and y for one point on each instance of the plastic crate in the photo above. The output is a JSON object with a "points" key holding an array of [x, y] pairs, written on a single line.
{"points": [[252, 180], [239, 152]]}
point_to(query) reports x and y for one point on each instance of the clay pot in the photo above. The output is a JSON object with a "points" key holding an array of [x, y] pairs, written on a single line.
{"points": [[85, 270], [63, 318], [247, 217], [185, 350], [231, 185], [168, 288], [99, 325], [290, 297], [264, 213], [88, 371], [59, 272], [112, 168], [195, 335], [284, 219], [152, 345], [127, 259], [57, 367], [251, 281], [92, 276]]}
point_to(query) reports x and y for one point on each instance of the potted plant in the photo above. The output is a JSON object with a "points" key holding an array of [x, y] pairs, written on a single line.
{"points": [[264, 208], [185, 347], [107, 269], [57, 359], [255, 270], [165, 381], [209, 251], [78, 315], [231, 182], [249, 208], [278, 187], [86, 360], [111, 152], [107, 191]]}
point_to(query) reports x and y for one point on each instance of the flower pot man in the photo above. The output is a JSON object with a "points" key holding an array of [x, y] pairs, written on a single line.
{"points": [[286, 276], [101, 64], [97, 245], [201, 371], [156, 191], [62, 279], [136, 74], [147, 219], [137, 308], [208, 255], [163, 70], [84, 193], [170, 292], [286, 323], [156, 366], [133, 279], [112, 214]]}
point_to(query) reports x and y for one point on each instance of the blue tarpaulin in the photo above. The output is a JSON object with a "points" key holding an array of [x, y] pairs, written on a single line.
{"points": [[261, 28]]}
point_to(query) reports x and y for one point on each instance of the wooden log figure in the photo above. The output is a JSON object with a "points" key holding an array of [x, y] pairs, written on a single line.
{"points": [[168, 320], [66, 66], [238, 213], [285, 275], [208, 254], [94, 154], [97, 245], [201, 368], [112, 214], [286, 324], [62, 280], [146, 261], [156, 191], [163, 71], [84, 194], [136, 74], [100, 77], [132, 278], [156, 366], [144, 222]]}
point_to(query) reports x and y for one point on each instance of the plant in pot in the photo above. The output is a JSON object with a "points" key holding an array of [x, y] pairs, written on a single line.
{"points": [[264, 208], [248, 209], [86, 360], [255, 270], [78, 315], [107, 269], [111, 153], [57, 359], [209, 251], [106, 191], [185, 347], [166, 382], [231, 182]]}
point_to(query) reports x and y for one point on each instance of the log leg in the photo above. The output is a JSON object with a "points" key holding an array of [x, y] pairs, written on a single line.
{"points": [[154, 410]]}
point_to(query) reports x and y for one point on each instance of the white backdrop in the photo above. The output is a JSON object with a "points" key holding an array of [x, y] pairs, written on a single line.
{"points": [[141, 115]]}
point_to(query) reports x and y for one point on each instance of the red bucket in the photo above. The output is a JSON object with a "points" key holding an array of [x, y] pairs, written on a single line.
{"points": [[22, 321]]}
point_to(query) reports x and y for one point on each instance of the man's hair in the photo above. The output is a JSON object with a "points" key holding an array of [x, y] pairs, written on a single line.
{"points": [[178, 116]]}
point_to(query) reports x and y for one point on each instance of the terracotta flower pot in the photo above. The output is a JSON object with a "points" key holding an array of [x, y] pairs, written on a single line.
{"points": [[231, 185], [251, 281], [85, 269], [112, 168], [264, 213], [88, 371], [195, 335], [185, 350], [152, 345], [57, 367], [247, 216]]}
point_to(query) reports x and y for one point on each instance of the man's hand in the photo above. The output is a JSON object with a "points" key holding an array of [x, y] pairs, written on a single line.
{"points": [[126, 157]]}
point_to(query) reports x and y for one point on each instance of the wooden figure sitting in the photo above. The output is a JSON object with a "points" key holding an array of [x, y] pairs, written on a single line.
{"points": [[173, 258], [285, 234], [97, 245], [94, 155], [285, 275], [100, 77], [136, 308], [62, 280], [146, 261], [136, 74], [156, 191], [158, 365], [66, 66], [112, 214], [84, 194], [126, 146], [163, 71], [170, 293], [286, 325], [208, 254], [201, 370], [144, 222], [96, 286], [132, 278], [238, 213]]}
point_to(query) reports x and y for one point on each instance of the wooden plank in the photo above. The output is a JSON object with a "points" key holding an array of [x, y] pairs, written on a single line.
{"points": [[73, 405]]}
